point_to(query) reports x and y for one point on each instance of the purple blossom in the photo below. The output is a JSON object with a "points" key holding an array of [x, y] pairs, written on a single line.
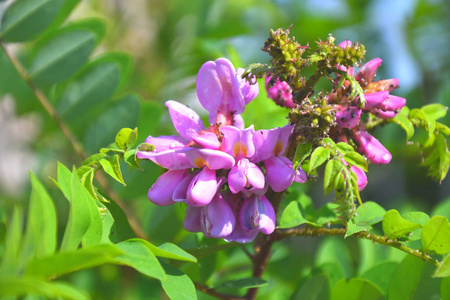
{"points": [[374, 151], [280, 92]]}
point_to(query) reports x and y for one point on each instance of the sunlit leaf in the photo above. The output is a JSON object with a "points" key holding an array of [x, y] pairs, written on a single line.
{"points": [[332, 168], [292, 216], [25, 19], [435, 235], [368, 214], [444, 269], [434, 111], [418, 218], [301, 153], [403, 121], [356, 159], [112, 167], [318, 157], [126, 138], [10, 259], [395, 226], [178, 286]]}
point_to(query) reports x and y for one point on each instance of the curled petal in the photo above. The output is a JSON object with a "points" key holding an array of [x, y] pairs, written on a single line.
{"points": [[217, 218], [374, 151], [384, 114], [168, 142], [280, 173], [202, 188], [170, 159], [180, 192], [374, 100], [249, 90], [271, 142], [192, 219], [207, 140], [213, 159], [367, 72], [162, 190], [236, 179], [348, 117], [300, 175], [238, 143], [257, 212], [255, 176], [361, 177], [185, 120], [245, 174], [393, 103]]}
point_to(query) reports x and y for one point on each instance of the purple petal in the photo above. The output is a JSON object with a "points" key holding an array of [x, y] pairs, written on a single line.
{"points": [[393, 103], [185, 120], [192, 219], [238, 143], [168, 142], [232, 97], [213, 159], [236, 179], [257, 212], [300, 175], [374, 100], [209, 87], [384, 114], [281, 93], [170, 159], [255, 176], [180, 192], [239, 234], [361, 177], [348, 117], [374, 151], [280, 173], [207, 140], [162, 190], [217, 218], [367, 72], [202, 188], [238, 122], [345, 44], [271, 142], [249, 91]]}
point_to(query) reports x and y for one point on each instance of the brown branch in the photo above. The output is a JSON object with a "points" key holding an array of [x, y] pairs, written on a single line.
{"points": [[76, 145], [211, 291]]}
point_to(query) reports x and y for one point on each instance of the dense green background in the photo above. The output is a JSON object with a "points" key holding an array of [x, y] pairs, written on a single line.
{"points": [[169, 41]]}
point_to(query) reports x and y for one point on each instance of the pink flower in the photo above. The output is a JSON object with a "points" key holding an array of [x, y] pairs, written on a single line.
{"points": [[374, 151], [280, 92]]}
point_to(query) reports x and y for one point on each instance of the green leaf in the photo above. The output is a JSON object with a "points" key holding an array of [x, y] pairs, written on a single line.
{"points": [[123, 113], [40, 235], [356, 289], [169, 250], [112, 167], [206, 251], [403, 121], [94, 233], [444, 269], [292, 216], [344, 147], [9, 262], [395, 226], [25, 19], [126, 138], [356, 159], [435, 235], [138, 256], [94, 159], [316, 288], [435, 111], [443, 128], [79, 215], [419, 118], [64, 180], [332, 168], [17, 287], [368, 214], [302, 152], [131, 159], [70, 261], [122, 229], [445, 288], [406, 278], [318, 157], [65, 53], [381, 274], [418, 218], [243, 283], [178, 286]]}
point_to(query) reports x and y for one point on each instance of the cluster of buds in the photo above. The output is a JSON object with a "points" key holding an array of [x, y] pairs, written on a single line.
{"points": [[222, 172]]}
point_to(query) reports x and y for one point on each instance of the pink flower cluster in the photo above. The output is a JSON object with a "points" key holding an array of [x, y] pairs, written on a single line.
{"points": [[222, 172]]}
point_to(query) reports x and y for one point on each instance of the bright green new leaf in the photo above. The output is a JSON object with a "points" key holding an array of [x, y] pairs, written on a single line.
{"points": [[344, 147], [418, 218], [403, 121], [126, 138], [65, 262], [368, 214], [436, 235], [435, 111], [445, 288], [94, 233], [79, 215], [332, 168], [138, 256], [356, 159], [292, 216], [40, 234], [178, 286], [64, 181], [395, 226], [356, 289], [243, 283], [419, 118], [10, 260], [318, 157], [444, 269], [93, 159], [19, 287], [112, 167], [443, 128], [406, 277], [25, 19], [130, 158], [301, 153]]}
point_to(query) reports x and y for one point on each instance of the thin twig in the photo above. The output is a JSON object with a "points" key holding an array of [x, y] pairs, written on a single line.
{"points": [[76, 145], [213, 292]]}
